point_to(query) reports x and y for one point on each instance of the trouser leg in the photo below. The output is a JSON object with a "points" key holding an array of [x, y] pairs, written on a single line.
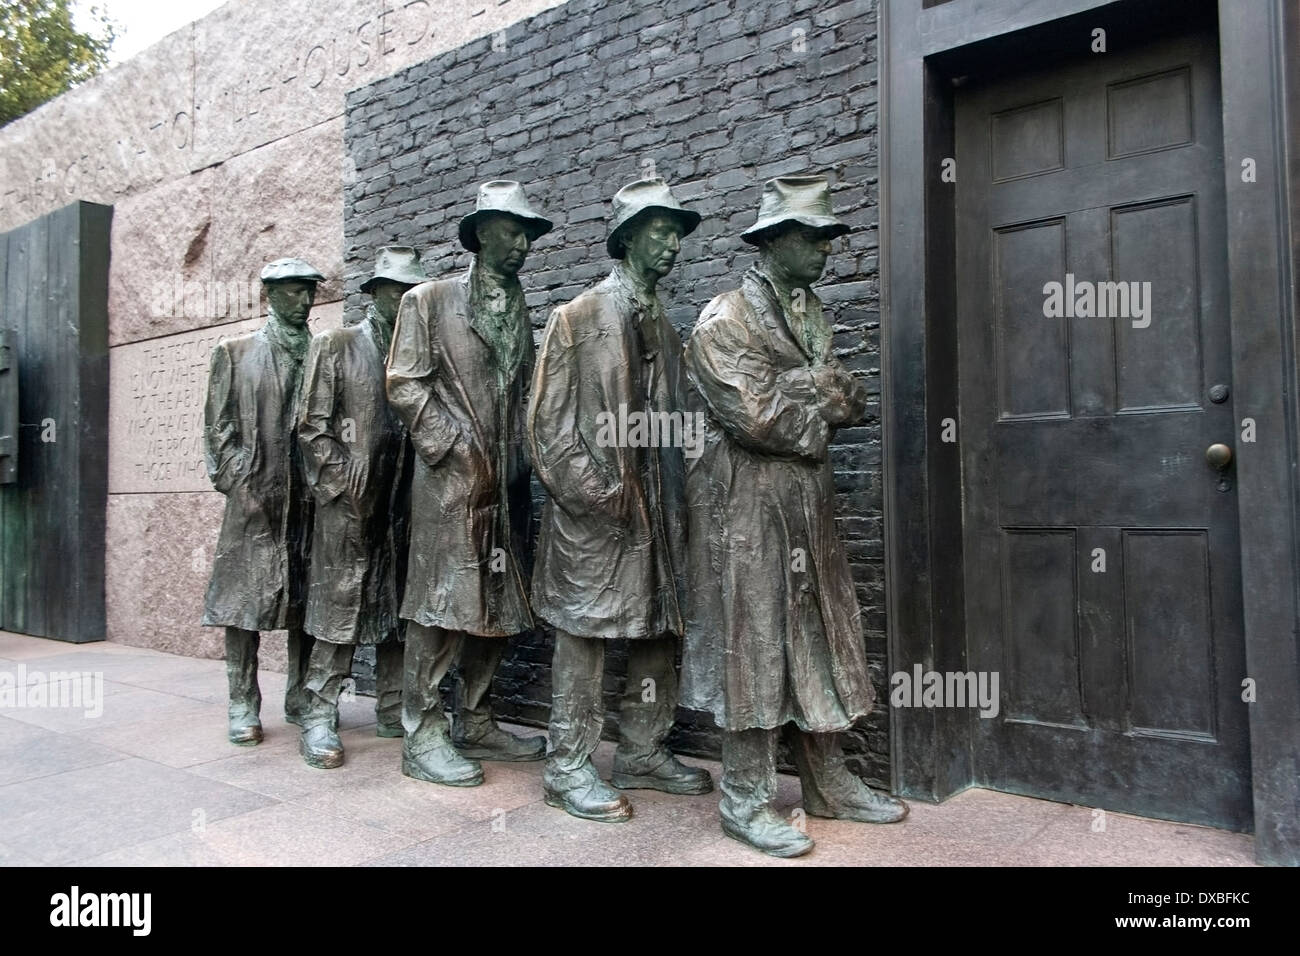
{"points": [[577, 710], [388, 683], [329, 665], [428, 655], [822, 772], [830, 789], [649, 705], [241, 672], [479, 657], [299, 658], [748, 772]]}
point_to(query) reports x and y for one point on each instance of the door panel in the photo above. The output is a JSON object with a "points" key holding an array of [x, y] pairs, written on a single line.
{"points": [[1101, 550]]}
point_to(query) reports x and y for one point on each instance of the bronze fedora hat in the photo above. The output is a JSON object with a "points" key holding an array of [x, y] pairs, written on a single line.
{"points": [[802, 199], [290, 270], [638, 199], [502, 197], [396, 264]]}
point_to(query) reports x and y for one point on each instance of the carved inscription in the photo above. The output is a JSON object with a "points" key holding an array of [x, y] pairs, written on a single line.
{"points": [[157, 390]]}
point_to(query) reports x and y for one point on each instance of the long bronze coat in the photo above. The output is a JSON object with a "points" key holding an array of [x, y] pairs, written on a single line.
{"points": [[358, 555], [611, 556], [775, 632], [259, 579], [462, 400]]}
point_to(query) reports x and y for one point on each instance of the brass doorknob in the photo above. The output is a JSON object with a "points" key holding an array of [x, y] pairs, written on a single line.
{"points": [[1218, 455]]}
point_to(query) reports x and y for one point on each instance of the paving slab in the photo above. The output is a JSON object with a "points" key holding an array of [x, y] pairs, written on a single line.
{"points": [[153, 781], [81, 813], [278, 835], [278, 772], [127, 705], [1135, 841], [196, 736], [12, 857], [402, 805], [546, 836], [28, 752]]}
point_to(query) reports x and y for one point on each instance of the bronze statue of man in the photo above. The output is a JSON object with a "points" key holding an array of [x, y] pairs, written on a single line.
{"points": [[259, 573], [611, 555], [356, 454], [458, 375], [775, 636]]}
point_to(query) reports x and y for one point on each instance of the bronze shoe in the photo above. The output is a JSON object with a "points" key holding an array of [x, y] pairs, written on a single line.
{"points": [[862, 804], [586, 796], [245, 730], [493, 743], [766, 832], [671, 776], [443, 765], [321, 748]]}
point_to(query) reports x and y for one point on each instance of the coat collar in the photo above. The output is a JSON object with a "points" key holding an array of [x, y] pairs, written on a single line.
{"points": [[761, 292]]}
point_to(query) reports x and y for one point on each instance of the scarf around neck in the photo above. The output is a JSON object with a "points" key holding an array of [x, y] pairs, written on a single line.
{"points": [[647, 309], [381, 329], [289, 338], [498, 313]]}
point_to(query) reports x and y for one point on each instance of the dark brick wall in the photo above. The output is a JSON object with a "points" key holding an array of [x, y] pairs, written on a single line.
{"points": [[716, 97]]}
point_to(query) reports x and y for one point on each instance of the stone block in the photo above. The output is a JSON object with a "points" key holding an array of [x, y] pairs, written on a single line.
{"points": [[283, 199], [117, 133], [161, 276], [159, 559]]}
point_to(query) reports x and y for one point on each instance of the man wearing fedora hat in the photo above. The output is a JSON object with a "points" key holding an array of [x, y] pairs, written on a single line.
{"points": [[611, 555], [461, 359], [355, 451], [775, 637], [259, 578]]}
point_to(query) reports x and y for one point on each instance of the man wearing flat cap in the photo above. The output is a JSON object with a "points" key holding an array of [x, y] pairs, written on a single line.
{"points": [[458, 374], [358, 465], [259, 573], [611, 555], [775, 638]]}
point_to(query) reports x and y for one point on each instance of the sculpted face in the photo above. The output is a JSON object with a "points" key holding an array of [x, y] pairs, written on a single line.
{"points": [[503, 244], [654, 244], [388, 297], [799, 253], [291, 300]]}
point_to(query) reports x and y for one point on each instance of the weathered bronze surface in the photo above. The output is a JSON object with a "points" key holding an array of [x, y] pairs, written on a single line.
{"points": [[358, 466], [259, 577], [461, 359], [611, 556], [775, 637]]}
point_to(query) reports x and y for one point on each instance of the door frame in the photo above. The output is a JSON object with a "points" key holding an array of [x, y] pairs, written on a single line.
{"points": [[927, 46]]}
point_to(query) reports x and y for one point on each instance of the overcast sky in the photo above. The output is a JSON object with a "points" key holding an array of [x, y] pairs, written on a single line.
{"points": [[142, 23]]}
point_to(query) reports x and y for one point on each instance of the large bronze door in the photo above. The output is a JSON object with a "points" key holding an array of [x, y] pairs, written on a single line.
{"points": [[1101, 547], [54, 485]]}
